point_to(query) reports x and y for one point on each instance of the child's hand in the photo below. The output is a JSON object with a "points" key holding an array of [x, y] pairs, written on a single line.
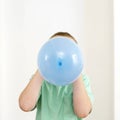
{"points": [[38, 76]]}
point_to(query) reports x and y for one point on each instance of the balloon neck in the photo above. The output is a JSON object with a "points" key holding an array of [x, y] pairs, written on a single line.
{"points": [[60, 63]]}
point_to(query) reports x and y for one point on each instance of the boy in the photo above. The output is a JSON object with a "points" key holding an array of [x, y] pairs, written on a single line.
{"points": [[69, 102]]}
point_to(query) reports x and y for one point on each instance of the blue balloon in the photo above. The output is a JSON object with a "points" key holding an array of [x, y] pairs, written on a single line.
{"points": [[60, 61]]}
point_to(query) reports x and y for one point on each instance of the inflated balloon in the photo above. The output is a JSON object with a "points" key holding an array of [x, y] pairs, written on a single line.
{"points": [[60, 61]]}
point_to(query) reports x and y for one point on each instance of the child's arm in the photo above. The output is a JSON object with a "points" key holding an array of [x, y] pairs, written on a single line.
{"points": [[30, 94], [81, 102]]}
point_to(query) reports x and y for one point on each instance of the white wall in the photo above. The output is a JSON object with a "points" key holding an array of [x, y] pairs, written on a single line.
{"points": [[117, 59], [28, 24], [99, 56]]}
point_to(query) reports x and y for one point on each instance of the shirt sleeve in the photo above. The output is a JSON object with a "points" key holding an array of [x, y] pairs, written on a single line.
{"points": [[86, 81]]}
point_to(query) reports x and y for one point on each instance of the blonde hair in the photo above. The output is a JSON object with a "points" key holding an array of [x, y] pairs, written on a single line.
{"points": [[64, 34]]}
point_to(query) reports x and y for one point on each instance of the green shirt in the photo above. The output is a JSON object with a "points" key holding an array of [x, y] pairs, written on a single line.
{"points": [[55, 102]]}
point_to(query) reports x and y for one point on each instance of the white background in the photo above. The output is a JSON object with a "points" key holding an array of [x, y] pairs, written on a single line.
{"points": [[117, 59], [25, 25]]}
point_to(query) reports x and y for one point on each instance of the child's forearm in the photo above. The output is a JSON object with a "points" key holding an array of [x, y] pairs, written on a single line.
{"points": [[81, 102], [30, 94]]}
